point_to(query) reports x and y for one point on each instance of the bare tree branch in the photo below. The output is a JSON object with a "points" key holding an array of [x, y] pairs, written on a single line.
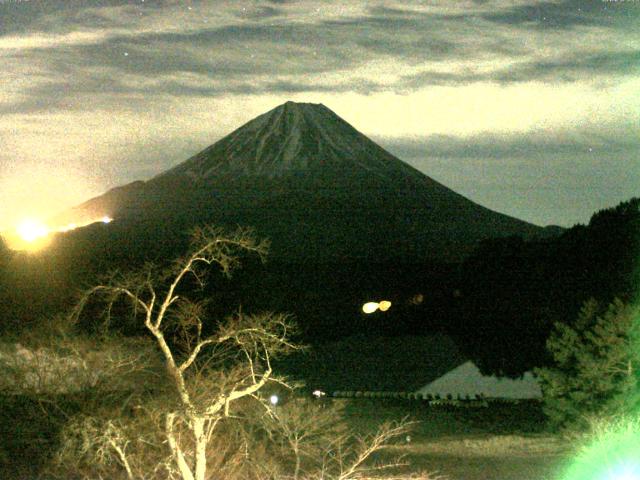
{"points": [[254, 338]]}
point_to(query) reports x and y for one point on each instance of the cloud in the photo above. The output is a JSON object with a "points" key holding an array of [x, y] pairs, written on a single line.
{"points": [[564, 14], [524, 146], [604, 68], [265, 48], [122, 90], [547, 179]]}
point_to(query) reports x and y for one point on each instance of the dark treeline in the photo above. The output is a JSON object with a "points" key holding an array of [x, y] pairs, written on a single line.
{"points": [[512, 291], [499, 304]]}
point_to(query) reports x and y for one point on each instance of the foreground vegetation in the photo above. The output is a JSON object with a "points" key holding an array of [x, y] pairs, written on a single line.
{"points": [[595, 374], [184, 397], [503, 442], [146, 380]]}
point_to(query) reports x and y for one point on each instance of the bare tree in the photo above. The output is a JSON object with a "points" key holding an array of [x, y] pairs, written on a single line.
{"points": [[209, 372], [348, 457], [303, 428], [315, 435]]}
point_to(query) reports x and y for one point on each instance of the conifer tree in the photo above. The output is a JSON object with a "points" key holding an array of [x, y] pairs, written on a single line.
{"points": [[596, 366]]}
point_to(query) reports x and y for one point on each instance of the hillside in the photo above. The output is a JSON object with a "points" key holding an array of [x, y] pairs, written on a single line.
{"points": [[318, 188]]}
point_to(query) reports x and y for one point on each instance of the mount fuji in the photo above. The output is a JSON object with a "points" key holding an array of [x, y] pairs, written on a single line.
{"points": [[315, 186]]}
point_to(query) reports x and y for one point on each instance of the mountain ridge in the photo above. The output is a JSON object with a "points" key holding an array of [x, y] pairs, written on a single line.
{"points": [[310, 181], [302, 137]]}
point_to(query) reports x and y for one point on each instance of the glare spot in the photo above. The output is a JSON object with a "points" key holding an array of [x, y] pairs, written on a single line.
{"points": [[384, 305], [624, 472], [612, 455]]}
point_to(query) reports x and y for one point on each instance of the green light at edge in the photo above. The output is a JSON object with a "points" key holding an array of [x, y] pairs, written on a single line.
{"points": [[614, 456]]}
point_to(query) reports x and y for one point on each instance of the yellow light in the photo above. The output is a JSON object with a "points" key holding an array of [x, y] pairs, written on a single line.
{"points": [[31, 230], [68, 228], [29, 235], [370, 307], [32, 235], [73, 226], [384, 305]]}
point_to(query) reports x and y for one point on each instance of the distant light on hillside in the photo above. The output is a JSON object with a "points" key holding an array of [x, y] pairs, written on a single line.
{"points": [[106, 219], [384, 305], [417, 299], [371, 307], [67, 228]]}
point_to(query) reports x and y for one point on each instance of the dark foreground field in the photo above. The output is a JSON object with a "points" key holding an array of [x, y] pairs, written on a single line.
{"points": [[501, 442]]}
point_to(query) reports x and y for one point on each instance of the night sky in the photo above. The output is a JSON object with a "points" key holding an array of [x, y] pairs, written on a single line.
{"points": [[531, 108]]}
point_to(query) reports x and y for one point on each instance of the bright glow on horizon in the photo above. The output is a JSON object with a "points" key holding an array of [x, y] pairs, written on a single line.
{"points": [[31, 230], [32, 235], [29, 235], [53, 188], [67, 228]]}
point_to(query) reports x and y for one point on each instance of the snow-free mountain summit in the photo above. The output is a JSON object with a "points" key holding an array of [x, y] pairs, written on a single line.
{"points": [[319, 189]]}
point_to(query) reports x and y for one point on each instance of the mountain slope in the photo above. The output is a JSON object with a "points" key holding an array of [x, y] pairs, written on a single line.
{"points": [[318, 188], [293, 139]]}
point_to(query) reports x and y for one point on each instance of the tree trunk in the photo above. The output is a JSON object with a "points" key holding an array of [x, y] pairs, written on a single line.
{"points": [[201, 448], [296, 472], [178, 456]]}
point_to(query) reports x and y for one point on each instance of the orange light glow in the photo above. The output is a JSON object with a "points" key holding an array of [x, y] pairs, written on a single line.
{"points": [[384, 305]]}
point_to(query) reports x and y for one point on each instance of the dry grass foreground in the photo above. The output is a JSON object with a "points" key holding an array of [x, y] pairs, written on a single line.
{"points": [[502, 442]]}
